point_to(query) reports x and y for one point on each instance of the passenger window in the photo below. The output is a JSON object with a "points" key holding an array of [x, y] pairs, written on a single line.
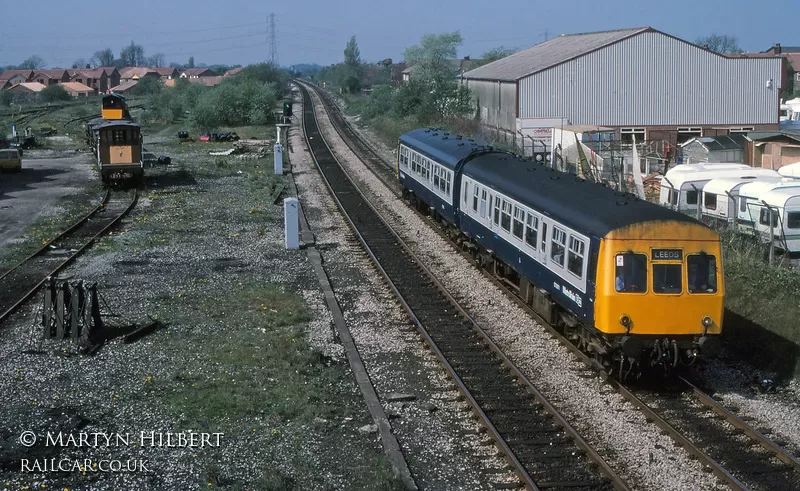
{"points": [[702, 273], [576, 254], [505, 221], [436, 176], [475, 200], [710, 201], [497, 211], [544, 236], [667, 278], [448, 177], [793, 219], [464, 192], [519, 218], [631, 273], [691, 197], [531, 230], [557, 246], [483, 204]]}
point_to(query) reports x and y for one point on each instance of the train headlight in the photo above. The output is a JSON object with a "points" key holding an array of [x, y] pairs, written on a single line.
{"points": [[707, 321], [625, 320]]}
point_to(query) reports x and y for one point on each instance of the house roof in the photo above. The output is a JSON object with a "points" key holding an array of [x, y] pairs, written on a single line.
{"points": [[108, 69], [233, 71], [165, 71], [28, 86], [136, 71], [76, 87], [198, 72], [735, 141], [13, 73], [86, 72], [124, 86], [57, 73], [760, 136], [550, 53]]}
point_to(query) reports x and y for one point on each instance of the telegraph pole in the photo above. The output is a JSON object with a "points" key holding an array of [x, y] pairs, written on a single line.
{"points": [[272, 40]]}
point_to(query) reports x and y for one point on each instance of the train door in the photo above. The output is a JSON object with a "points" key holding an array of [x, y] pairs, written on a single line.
{"points": [[543, 243]]}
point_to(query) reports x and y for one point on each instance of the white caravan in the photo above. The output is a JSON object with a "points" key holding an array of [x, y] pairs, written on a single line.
{"points": [[782, 206], [681, 186], [720, 195], [750, 196]]}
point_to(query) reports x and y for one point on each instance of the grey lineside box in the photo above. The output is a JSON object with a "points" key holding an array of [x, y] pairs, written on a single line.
{"points": [[291, 224]]}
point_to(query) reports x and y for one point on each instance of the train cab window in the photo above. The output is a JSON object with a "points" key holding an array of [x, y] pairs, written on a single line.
{"points": [[793, 219], [531, 230], [667, 278], [577, 251], [505, 217], [710, 201], [691, 197], [475, 199], [557, 246], [702, 270], [483, 204], [631, 273], [763, 219], [519, 219]]}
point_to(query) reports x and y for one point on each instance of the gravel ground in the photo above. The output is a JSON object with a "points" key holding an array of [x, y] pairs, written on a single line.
{"points": [[203, 252], [635, 448], [437, 433]]}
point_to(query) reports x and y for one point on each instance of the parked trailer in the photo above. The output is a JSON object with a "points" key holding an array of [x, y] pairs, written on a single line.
{"points": [[781, 207], [721, 195], [750, 196], [681, 187]]}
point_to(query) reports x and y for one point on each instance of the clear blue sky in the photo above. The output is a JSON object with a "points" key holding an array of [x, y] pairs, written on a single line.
{"points": [[235, 31]]}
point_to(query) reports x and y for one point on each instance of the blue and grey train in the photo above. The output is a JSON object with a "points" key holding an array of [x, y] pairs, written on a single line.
{"points": [[631, 282]]}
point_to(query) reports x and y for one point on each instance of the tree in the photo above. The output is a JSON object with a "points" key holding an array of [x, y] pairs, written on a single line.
{"points": [[157, 60], [191, 62], [146, 85], [352, 56], [104, 57], [132, 55], [497, 53], [434, 50], [53, 93], [720, 43], [33, 63], [80, 63]]}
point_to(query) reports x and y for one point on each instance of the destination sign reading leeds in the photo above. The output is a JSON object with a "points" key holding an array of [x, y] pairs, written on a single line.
{"points": [[667, 254]]}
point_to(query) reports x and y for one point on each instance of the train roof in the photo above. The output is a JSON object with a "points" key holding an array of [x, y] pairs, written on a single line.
{"points": [[110, 123], [590, 208], [443, 147]]}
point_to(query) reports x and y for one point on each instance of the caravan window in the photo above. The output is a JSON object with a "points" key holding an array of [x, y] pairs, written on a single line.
{"points": [[764, 218], [674, 195], [691, 197], [793, 219], [742, 204], [710, 201]]}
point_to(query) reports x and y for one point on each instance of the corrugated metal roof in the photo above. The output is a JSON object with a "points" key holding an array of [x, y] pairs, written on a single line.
{"points": [[549, 53]]}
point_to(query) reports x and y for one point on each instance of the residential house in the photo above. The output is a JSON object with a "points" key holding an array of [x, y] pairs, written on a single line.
{"points": [[13, 77], [77, 89], [113, 76], [197, 73], [131, 73], [233, 71], [124, 87], [167, 73], [96, 78], [26, 88], [51, 77]]}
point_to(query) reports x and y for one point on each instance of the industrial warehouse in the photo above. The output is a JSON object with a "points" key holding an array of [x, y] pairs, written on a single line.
{"points": [[518, 248]]}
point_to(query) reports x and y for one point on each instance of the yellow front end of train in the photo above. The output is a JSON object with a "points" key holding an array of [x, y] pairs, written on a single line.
{"points": [[662, 280]]}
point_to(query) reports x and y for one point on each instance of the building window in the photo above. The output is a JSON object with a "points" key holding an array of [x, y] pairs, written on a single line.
{"points": [[743, 129], [531, 230], [686, 134], [627, 134], [557, 246], [710, 201], [631, 273], [576, 254], [519, 219]]}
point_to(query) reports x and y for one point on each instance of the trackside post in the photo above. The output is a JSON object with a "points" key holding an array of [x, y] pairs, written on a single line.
{"points": [[291, 223]]}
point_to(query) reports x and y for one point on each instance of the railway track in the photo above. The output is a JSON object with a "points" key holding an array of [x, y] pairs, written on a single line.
{"points": [[544, 450], [728, 446], [22, 281]]}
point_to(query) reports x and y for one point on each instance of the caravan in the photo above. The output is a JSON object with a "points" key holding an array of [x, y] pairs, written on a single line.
{"points": [[781, 207], [750, 196], [721, 195]]}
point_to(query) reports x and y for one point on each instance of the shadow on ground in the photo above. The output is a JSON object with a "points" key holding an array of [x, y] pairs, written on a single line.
{"points": [[751, 342]]}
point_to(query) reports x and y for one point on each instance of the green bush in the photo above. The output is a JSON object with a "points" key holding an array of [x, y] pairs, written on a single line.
{"points": [[236, 103], [53, 93], [146, 86]]}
